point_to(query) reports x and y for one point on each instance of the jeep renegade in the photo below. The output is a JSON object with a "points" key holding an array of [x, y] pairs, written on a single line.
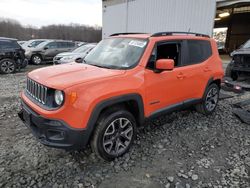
{"points": [[126, 79]]}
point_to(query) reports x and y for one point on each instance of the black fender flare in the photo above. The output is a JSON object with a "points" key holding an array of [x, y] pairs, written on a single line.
{"points": [[112, 101], [211, 80]]}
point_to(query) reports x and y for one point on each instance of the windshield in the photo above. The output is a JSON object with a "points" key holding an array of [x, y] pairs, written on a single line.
{"points": [[42, 44], [117, 53], [35, 43], [82, 49], [246, 45]]}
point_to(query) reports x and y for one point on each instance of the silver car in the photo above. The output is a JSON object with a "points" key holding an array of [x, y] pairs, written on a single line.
{"points": [[47, 50], [76, 55]]}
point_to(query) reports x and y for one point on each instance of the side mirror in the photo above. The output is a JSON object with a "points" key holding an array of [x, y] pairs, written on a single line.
{"points": [[45, 48], [164, 65]]}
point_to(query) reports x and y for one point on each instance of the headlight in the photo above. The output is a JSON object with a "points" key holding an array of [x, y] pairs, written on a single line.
{"points": [[68, 58], [59, 97]]}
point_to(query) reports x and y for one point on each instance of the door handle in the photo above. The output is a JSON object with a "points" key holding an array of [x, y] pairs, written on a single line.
{"points": [[180, 76], [206, 69]]}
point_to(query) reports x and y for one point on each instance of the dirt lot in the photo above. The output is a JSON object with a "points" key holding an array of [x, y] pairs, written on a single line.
{"points": [[183, 149]]}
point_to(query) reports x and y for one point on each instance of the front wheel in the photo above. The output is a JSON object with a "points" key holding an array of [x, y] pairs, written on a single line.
{"points": [[36, 59], [209, 100], [7, 66], [114, 134]]}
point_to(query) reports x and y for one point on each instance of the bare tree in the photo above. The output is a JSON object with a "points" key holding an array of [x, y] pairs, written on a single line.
{"points": [[13, 29]]}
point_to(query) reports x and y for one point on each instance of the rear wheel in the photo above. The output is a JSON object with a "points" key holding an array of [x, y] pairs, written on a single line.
{"points": [[36, 59], [7, 66], [114, 134], [209, 101]]}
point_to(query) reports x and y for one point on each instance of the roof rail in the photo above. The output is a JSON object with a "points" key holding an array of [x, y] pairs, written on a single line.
{"points": [[178, 32], [116, 34], [5, 38]]}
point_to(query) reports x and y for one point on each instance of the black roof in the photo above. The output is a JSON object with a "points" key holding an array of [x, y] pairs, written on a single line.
{"points": [[5, 38], [159, 34]]}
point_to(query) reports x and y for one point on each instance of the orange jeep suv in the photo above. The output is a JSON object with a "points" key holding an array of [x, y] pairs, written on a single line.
{"points": [[125, 80]]}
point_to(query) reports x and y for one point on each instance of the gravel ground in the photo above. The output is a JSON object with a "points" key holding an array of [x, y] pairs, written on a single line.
{"points": [[183, 149]]}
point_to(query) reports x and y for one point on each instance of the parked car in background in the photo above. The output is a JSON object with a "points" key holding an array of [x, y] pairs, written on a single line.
{"points": [[12, 56], [47, 50], [240, 63], [33, 43], [76, 55]]}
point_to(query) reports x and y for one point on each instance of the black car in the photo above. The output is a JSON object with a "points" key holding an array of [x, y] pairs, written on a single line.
{"points": [[12, 56], [240, 64]]}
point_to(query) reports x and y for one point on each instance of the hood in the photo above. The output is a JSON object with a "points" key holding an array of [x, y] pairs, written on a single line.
{"points": [[241, 51], [68, 54], [67, 75]]}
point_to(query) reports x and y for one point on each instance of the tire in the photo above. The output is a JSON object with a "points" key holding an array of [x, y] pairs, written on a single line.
{"points": [[231, 74], [24, 64], [114, 134], [8, 66], [209, 100], [36, 59]]}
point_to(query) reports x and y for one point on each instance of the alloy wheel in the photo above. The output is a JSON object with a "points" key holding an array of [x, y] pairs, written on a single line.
{"points": [[37, 60], [8, 67], [211, 99], [117, 137]]}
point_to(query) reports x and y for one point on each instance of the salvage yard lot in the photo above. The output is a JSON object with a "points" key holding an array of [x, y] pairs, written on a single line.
{"points": [[182, 149]]}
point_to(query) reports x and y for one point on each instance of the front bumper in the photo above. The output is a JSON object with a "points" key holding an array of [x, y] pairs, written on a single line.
{"points": [[28, 55], [235, 86], [53, 133]]}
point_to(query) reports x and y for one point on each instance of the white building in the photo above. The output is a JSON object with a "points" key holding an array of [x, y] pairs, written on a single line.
{"points": [[150, 16]]}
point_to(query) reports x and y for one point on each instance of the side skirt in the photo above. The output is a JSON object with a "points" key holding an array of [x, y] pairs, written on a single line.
{"points": [[174, 108]]}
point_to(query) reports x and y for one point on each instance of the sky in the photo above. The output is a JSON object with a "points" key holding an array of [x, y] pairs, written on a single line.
{"points": [[45, 12]]}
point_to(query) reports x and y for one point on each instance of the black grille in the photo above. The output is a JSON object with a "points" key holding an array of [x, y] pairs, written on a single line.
{"points": [[242, 60], [37, 91]]}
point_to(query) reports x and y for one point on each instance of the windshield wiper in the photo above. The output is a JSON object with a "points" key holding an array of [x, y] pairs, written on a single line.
{"points": [[101, 66]]}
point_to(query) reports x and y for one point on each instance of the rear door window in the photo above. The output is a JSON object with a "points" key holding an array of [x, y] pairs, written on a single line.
{"points": [[62, 44], [71, 44], [52, 45], [198, 51]]}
